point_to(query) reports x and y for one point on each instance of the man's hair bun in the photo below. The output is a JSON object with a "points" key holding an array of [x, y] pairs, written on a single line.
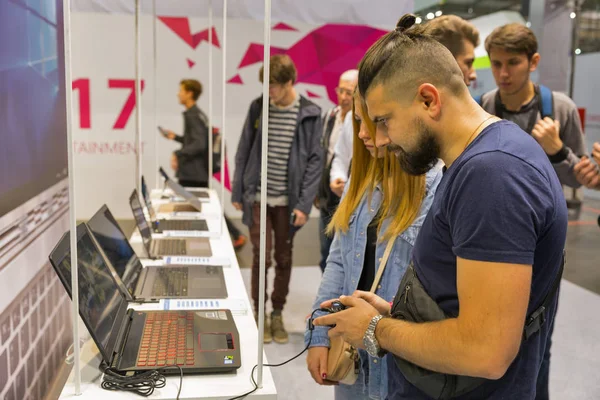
{"points": [[405, 22]]}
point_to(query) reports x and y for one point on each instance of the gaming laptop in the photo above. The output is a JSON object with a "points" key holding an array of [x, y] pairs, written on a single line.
{"points": [[129, 340], [199, 247], [147, 284]]}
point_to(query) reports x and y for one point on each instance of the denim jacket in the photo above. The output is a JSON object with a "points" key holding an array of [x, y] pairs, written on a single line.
{"points": [[345, 264]]}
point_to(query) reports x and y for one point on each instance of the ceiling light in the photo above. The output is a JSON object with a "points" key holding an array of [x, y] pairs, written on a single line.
{"points": [[438, 13], [430, 15], [578, 51], [573, 15], [418, 20]]}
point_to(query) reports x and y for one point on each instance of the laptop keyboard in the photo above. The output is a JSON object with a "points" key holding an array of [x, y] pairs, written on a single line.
{"points": [[168, 339], [171, 282], [172, 247], [175, 225]]}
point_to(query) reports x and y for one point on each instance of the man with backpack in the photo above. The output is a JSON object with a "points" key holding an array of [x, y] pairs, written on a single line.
{"points": [[551, 118], [191, 161]]}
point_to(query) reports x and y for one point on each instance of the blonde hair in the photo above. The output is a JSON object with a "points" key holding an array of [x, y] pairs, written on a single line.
{"points": [[402, 193]]}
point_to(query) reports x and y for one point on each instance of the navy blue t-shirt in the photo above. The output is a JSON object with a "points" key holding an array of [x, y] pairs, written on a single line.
{"points": [[500, 201]]}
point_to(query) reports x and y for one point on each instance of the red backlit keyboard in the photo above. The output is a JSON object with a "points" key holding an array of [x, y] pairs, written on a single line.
{"points": [[168, 339]]}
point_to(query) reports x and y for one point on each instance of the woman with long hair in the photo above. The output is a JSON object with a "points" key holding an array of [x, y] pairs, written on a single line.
{"points": [[381, 203]]}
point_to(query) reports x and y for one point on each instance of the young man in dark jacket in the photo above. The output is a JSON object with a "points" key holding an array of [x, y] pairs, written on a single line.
{"points": [[294, 164], [191, 161]]}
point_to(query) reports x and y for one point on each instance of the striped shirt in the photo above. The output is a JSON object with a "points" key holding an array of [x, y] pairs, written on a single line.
{"points": [[282, 128]]}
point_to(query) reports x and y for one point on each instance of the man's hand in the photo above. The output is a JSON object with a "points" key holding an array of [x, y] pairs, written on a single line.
{"points": [[316, 361], [587, 173], [383, 307], [170, 135], [237, 206], [352, 323], [174, 162], [301, 218], [546, 132], [596, 152], [337, 186]]}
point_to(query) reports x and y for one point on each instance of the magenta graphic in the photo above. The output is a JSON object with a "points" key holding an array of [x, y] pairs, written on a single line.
{"points": [[284, 27], [181, 27], [236, 80], [312, 95], [190, 63], [322, 55]]}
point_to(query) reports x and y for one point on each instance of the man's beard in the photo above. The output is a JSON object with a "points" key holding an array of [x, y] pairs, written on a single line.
{"points": [[424, 157]]}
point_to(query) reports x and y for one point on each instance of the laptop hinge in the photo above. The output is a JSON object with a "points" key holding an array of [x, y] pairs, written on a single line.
{"points": [[139, 288], [122, 338]]}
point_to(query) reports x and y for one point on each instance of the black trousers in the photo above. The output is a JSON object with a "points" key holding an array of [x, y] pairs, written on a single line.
{"points": [[233, 230]]}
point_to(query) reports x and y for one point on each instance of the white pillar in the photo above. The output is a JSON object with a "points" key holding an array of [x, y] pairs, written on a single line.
{"points": [[263, 188], [138, 97], [210, 91], [155, 91], [224, 52], [72, 216]]}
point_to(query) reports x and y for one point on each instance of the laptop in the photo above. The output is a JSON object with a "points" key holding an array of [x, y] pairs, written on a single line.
{"points": [[183, 193], [148, 284], [158, 226], [164, 208], [198, 247], [129, 340]]}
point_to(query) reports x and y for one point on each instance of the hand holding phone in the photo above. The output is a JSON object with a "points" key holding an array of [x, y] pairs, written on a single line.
{"points": [[165, 133]]}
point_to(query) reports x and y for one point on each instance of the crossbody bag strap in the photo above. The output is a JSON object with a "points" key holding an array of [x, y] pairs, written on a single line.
{"points": [[382, 264]]}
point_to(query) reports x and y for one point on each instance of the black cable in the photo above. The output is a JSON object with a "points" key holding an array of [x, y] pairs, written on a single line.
{"points": [[142, 383], [310, 328]]}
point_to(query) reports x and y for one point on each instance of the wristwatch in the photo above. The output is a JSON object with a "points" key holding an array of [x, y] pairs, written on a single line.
{"points": [[369, 339]]}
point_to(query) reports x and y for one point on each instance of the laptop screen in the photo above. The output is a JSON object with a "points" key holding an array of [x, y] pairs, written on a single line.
{"points": [[140, 219], [146, 196], [100, 300], [116, 247]]}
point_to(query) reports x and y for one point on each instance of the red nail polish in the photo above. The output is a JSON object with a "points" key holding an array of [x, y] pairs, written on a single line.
{"points": [[324, 376]]}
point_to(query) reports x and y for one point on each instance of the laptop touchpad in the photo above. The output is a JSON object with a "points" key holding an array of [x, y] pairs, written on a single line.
{"points": [[213, 341], [199, 246]]}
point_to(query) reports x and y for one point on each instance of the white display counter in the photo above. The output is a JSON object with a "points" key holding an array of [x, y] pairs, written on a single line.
{"points": [[210, 386]]}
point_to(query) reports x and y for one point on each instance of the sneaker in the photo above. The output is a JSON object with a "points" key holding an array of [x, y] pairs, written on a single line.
{"points": [[267, 337], [280, 335], [240, 242]]}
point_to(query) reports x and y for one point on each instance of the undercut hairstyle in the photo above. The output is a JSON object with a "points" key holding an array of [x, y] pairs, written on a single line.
{"points": [[514, 38], [451, 31], [192, 85], [282, 70], [406, 58]]}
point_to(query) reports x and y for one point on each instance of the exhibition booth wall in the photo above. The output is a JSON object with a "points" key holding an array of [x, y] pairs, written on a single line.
{"points": [[104, 77]]}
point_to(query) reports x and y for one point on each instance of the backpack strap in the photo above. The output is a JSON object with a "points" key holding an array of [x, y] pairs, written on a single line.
{"points": [[537, 318], [547, 102]]}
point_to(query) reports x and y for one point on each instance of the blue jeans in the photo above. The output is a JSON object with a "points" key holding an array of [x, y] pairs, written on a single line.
{"points": [[326, 241]]}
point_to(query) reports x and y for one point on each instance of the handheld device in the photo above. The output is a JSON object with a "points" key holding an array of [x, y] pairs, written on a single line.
{"points": [[336, 306], [163, 132], [292, 218]]}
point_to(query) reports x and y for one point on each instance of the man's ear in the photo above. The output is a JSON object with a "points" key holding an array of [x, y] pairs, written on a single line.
{"points": [[429, 99], [534, 62]]}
